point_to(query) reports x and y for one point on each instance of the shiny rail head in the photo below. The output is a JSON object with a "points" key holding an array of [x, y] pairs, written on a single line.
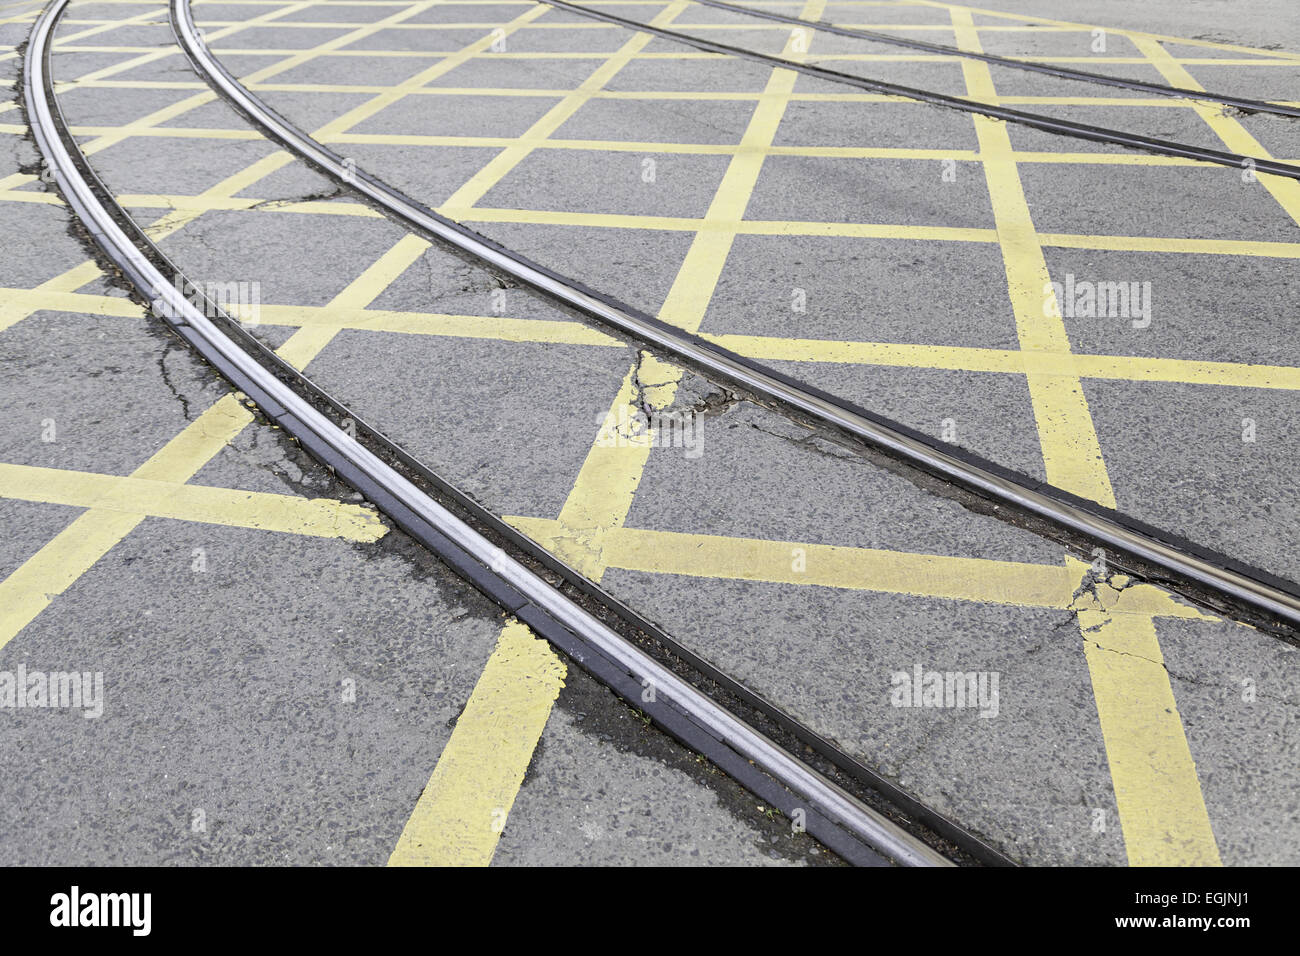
{"points": [[1267, 598], [1049, 124], [90, 201], [1159, 89]]}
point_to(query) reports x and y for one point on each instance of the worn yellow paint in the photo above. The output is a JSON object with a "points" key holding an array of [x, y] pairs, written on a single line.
{"points": [[1071, 450], [314, 517], [1157, 792], [982, 580], [46, 295], [500, 165], [445, 65], [49, 572], [1150, 760], [498, 328], [606, 484], [1230, 132], [1274, 55], [1209, 247], [308, 341], [459, 816], [58, 565], [771, 348], [117, 134]]}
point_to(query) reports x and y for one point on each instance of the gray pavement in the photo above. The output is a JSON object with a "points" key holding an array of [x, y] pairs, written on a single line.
{"points": [[815, 574]]}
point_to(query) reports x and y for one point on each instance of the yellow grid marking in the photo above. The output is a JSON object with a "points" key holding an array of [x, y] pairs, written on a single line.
{"points": [[257, 510], [1233, 135], [339, 316], [1162, 811], [979, 580], [62, 561], [599, 501], [16, 308], [1131, 34], [1158, 794], [148, 55], [446, 65], [73, 551], [1048, 363], [213, 200], [655, 95], [487, 177], [1071, 450], [462, 811]]}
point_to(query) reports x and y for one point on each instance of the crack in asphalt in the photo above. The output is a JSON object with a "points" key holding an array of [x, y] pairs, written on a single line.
{"points": [[169, 347]]}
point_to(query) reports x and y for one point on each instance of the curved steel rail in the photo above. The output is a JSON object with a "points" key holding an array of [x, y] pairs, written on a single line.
{"points": [[835, 817], [1097, 134], [1269, 596], [1065, 73]]}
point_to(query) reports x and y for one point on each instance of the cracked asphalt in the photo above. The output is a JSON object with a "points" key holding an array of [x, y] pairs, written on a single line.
{"points": [[291, 679]]}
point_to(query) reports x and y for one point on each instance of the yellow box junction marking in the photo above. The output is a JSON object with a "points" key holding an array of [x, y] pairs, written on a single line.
{"points": [[1158, 794], [587, 513], [262, 511], [58, 565], [463, 809], [598, 503]]}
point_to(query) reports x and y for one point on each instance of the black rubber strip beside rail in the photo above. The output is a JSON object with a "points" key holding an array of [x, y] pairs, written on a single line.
{"points": [[1096, 134], [678, 723], [1250, 592], [1238, 102]]}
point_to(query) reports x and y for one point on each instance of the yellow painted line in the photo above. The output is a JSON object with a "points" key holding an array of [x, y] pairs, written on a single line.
{"points": [[160, 116], [365, 110], [772, 348], [1071, 450], [459, 816], [308, 341], [1132, 34], [29, 196], [314, 517], [177, 219], [1157, 792], [606, 484], [264, 167], [792, 562], [439, 27], [762, 348], [1146, 746], [497, 328], [947, 577], [304, 346], [210, 203], [47, 294], [500, 166], [1230, 132], [169, 132], [92, 31], [26, 301], [1208, 247], [213, 201], [697, 96], [58, 565], [1186, 371], [449, 824]]}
